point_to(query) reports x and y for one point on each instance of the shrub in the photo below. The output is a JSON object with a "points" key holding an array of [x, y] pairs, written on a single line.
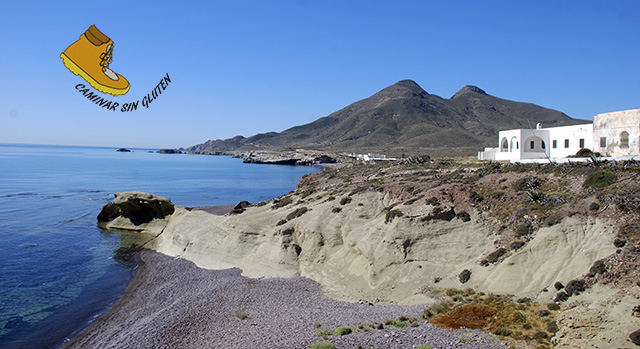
{"points": [[558, 285], [594, 206], [424, 346], [307, 192], [464, 276], [519, 317], [323, 333], [392, 214], [619, 243], [502, 331], [562, 296], [553, 306], [345, 200], [552, 327], [524, 229], [282, 202], [599, 179], [552, 220], [516, 245], [493, 256], [575, 287], [543, 312], [297, 213], [322, 345], [399, 324], [584, 153], [281, 222], [341, 331], [433, 201], [540, 335], [336, 210], [435, 309], [464, 216], [597, 268], [469, 316]]}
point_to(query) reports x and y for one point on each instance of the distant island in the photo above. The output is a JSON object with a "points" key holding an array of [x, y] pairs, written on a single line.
{"points": [[169, 151]]}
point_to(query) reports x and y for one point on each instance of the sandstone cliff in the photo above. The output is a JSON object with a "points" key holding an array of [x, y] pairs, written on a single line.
{"points": [[394, 233]]}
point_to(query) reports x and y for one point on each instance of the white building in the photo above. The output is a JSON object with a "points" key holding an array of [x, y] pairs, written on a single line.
{"points": [[611, 134], [617, 134]]}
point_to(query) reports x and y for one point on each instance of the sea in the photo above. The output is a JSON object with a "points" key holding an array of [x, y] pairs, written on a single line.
{"points": [[58, 270]]}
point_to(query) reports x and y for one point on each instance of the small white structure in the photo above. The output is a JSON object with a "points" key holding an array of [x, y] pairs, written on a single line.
{"points": [[611, 134]]}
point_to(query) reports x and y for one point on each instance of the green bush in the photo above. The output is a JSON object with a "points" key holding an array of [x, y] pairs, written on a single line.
{"points": [[464, 276], [523, 229], [341, 331], [322, 345], [424, 346], [282, 202], [583, 153], [400, 324], [297, 213], [435, 310], [599, 179], [323, 333]]}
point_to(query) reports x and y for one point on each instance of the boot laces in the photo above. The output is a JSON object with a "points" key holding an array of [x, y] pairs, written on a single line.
{"points": [[106, 57]]}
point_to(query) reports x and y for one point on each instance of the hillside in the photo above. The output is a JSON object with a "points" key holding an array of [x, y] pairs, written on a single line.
{"points": [[542, 252], [404, 118]]}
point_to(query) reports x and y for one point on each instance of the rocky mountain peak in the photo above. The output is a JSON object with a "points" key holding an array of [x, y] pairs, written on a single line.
{"points": [[469, 89], [403, 88]]}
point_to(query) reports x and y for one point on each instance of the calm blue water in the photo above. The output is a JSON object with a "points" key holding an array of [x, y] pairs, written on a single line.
{"points": [[57, 271]]}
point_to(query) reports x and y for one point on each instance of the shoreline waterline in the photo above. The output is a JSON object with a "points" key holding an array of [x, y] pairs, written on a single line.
{"points": [[173, 302], [54, 251]]}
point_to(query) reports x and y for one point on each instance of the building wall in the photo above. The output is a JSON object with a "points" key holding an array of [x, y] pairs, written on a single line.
{"points": [[567, 140], [609, 128]]}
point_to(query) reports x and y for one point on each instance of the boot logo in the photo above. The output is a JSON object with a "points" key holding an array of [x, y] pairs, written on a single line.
{"points": [[90, 57]]}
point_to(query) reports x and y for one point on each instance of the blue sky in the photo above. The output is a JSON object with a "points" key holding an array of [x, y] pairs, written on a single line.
{"points": [[246, 67]]}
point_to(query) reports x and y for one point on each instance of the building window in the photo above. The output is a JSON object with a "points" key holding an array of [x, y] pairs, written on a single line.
{"points": [[603, 142], [624, 139], [532, 144], [555, 144], [544, 146], [581, 143], [566, 143]]}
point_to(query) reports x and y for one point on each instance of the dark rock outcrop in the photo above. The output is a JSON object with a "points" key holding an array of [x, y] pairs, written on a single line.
{"points": [[124, 150], [136, 207], [169, 151]]}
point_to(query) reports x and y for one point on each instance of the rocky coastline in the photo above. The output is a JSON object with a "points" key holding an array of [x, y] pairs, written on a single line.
{"points": [[297, 158], [404, 234]]}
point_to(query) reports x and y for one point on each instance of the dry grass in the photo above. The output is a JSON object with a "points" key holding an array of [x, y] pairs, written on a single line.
{"points": [[496, 314]]}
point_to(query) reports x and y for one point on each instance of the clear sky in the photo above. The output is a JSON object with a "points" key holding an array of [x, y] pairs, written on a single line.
{"points": [[246, 67]]}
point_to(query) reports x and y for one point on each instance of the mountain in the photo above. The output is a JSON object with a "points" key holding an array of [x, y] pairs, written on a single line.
{"points": [[405, 118]]}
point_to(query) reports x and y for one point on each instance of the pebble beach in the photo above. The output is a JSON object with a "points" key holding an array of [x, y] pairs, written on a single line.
{"points": [[173, 303]]}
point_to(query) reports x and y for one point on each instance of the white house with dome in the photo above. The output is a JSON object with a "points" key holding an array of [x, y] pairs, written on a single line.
{"points": [[615, 134]]}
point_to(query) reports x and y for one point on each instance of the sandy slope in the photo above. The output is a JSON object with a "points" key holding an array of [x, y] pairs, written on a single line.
{"points": [[355, 255], [394, 234]]}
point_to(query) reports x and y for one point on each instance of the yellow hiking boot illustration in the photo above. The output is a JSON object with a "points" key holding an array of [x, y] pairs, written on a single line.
{"points": [[89, 57]]}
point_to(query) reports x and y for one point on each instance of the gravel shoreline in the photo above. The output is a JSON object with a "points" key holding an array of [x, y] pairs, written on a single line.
{"points": [[171, 303]]}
